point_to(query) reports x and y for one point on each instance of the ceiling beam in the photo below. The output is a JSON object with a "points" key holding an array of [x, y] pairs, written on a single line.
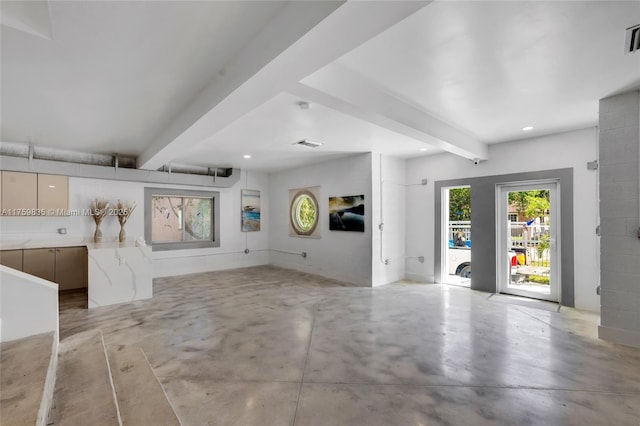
{"points": [[347, 91], [31, 17], [305, 37]]}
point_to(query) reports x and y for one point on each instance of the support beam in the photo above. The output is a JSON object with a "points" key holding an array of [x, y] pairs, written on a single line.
{"points": [[305, 37], [342, 89], [31, 17]]}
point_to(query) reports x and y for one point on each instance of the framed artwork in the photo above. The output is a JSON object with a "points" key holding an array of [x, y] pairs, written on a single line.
{"points": [[346, 213], [250, 210], [304, 212]]}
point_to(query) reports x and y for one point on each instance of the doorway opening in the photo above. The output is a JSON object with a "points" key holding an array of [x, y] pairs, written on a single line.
{"points": [[456, 229], [528, 244]]}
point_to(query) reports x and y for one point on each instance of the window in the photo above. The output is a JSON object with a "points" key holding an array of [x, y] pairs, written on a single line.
{"points": [[513, 217], [179, 219], [304, 212]]}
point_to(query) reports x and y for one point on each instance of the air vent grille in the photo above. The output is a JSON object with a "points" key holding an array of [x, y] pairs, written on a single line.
{"points": [[308, 143], [632, 40]]}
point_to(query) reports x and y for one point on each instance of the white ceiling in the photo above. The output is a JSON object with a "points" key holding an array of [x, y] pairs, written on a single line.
{"points": [[269, 132], [205, 82]]}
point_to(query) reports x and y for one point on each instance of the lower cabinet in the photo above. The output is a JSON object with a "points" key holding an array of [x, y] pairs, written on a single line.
{"points": [[66, 266], [11, 258], [71, 264], [40, 262]]}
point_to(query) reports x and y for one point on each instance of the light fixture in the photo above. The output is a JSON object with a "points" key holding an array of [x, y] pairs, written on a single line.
{"points": [[527, 129], [424, 149], [246, 156], [52, 186], [304, 105]]}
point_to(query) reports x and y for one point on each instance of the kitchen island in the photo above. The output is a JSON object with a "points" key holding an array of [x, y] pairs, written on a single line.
{"points": [[116, 272]]}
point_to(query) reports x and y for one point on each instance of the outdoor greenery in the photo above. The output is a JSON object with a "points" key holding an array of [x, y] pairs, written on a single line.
{"points": [[543, 263], [540, 279], [460, 204], [543, 244], [530, 203]]}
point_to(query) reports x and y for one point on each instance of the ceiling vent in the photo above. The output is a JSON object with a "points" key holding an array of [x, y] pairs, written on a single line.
{"points": [[308, 143], [632, 40]]}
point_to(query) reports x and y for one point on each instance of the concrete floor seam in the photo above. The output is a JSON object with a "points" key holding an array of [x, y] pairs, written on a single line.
{"points": [[306, 358]]}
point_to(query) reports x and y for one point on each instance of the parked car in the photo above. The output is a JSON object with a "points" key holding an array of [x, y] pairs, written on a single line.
{"points": [[459, 259]]}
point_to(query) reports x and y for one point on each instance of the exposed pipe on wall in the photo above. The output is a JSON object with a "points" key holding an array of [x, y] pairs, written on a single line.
{"points": [[381, 225]]}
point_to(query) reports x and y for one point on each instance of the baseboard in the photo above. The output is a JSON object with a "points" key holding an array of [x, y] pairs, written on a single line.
{"points": [[618, 335]]}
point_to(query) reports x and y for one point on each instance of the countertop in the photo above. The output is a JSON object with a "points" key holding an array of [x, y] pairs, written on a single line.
{"points": [[64, 242]]}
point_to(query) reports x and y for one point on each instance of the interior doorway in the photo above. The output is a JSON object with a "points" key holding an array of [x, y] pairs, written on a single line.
{"points": [[456, 229], [528, 240]]}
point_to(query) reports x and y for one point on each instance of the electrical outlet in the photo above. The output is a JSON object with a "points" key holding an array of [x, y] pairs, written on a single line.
{"points": [[421, 259]]}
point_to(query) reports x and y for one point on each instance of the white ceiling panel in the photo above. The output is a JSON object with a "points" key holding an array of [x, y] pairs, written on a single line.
{"points": [[269, 132], [206, 82], [117, 71], [492, 68]]}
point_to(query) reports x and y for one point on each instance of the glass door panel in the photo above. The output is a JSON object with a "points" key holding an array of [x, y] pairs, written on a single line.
{"points": [[528, 240]]}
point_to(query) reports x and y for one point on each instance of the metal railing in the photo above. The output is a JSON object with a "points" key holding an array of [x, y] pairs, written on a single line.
{"points": [[530, 242]]}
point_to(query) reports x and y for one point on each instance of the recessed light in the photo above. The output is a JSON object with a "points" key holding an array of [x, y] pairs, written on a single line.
{"points": [[527, 129], [424, 149], [52, 186], [246, 156]]}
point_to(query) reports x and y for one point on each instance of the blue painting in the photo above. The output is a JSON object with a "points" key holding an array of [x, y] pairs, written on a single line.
{"points": [[250, 210], [346, 213]]}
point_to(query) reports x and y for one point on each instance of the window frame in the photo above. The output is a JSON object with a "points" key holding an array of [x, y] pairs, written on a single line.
{"points": [[149, 193]]}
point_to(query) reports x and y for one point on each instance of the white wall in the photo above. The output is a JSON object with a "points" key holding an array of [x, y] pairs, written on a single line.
{"points": [[388, 245], [82, 191], [570, 149], [340, 255], [28, 305]]}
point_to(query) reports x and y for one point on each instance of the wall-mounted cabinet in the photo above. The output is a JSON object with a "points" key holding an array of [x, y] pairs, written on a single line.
{"points": [[19, 191], [53, 194], [33, 194], [66, 266]]}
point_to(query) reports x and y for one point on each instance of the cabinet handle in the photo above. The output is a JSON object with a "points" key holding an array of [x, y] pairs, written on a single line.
{"points": [[58, 250], [50, 250]]}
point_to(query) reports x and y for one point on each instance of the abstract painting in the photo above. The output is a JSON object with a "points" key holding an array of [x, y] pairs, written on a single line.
{"points": [[346, 213], [250, 210]]}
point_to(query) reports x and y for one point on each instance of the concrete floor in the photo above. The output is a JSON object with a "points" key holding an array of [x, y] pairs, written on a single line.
{"points": [[268, 346]]}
